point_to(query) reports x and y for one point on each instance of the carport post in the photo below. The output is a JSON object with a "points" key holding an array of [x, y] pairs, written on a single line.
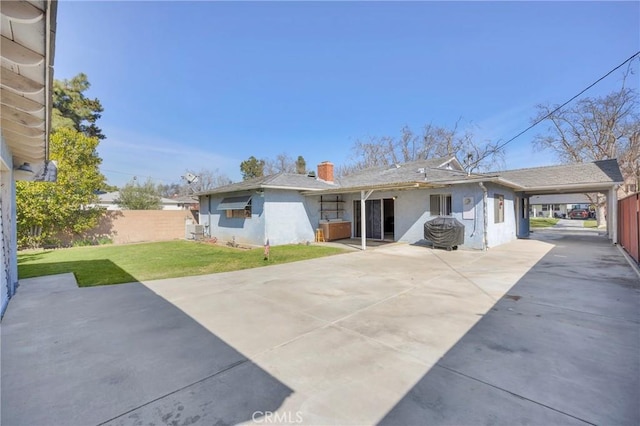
{"points": [[612, 215], [363, 217]]}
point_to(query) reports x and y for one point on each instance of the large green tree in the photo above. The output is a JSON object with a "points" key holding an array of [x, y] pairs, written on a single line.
{"points": [[72, 108], [301, 165], [47, 211], [252, 168], [136, 196]]}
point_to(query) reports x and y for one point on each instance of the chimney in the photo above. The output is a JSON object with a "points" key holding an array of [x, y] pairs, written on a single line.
{"points": [[325, 171]]}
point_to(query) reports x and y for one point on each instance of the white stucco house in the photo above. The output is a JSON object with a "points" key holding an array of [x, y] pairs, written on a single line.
{"points": [[393, 203], [28, 40]]}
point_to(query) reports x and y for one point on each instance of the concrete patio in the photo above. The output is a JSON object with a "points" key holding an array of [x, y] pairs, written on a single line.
{"points": [[540, 331]]}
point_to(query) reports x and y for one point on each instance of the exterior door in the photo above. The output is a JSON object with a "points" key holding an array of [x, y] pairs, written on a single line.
{"points": [[373, 217]]}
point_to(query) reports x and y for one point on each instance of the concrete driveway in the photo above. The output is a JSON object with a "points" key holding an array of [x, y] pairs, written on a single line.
{"points": [[399, 335]]}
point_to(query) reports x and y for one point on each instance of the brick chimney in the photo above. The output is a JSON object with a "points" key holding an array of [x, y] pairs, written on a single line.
{"points": [[325, 171]]}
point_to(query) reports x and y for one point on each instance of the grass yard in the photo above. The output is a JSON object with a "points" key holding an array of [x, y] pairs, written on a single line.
{"points": [[542, 222], [116, 264], [590, 223]]}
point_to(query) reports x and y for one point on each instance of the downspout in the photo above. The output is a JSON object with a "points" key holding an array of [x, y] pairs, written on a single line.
{"points": [[209, 215], [485, 217]]}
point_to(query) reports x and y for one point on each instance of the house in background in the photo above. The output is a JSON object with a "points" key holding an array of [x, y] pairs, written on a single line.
{"points": [[108, 200], [557, 205], [28, 45], [393, 203]]}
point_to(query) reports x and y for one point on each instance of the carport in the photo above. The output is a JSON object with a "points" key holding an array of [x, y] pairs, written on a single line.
{"points": [[599, 177]]}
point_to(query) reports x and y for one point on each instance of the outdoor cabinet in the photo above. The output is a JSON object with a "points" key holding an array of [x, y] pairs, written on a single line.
{"points": [[336, 230]]}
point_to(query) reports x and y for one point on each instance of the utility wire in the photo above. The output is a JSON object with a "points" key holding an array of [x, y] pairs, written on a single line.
{"points": [[540, 120], [132, 174]]}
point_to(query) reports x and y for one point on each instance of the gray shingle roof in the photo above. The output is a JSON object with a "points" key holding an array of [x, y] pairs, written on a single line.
{"points": [[429, 172], [282, 180], [603, 171], [415, 171]]}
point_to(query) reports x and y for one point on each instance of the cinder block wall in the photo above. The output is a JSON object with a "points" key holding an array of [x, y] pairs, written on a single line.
{"points": [[132, 226]]}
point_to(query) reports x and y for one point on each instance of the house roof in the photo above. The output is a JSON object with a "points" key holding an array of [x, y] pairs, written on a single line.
{"points": [[432, 170], [438, 172], [275, 181], [597, 174]]}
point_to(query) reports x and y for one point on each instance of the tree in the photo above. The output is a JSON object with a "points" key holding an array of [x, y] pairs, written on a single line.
{"points": [[432, 142], [134, 196], [71, 108], [47, 211], [301, 165], [281, 164], [252, 168], [595, 129]]}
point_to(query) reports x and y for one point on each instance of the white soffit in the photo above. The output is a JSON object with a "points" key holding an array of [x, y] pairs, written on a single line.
{"points": [[27, 34]]}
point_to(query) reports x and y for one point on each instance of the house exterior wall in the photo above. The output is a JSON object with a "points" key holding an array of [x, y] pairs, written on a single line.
{"points": [[290, 217], [500, 233], [286, 216], [412, 210], [8, 230], [246, 231]]}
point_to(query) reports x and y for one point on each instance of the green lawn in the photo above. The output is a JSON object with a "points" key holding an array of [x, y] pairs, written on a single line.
{"points": [[116, 264], [590, 223], [542, 222]]}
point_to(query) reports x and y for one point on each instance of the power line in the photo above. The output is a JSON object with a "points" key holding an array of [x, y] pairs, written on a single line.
{"points": [[132, 174], [566, 103]]}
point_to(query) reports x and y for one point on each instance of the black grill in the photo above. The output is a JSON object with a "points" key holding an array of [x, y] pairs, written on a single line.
{"points": [[446, 232]]}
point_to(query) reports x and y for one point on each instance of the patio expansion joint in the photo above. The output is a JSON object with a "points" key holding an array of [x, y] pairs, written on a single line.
{"points": [[501, 389], [334, 323], [217, 373], [467, 278]]}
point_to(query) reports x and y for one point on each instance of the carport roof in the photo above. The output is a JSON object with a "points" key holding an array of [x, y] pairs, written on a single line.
{"points": [[566, 177]]}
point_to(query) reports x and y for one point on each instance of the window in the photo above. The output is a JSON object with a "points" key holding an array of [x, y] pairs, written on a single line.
{"points": [[236, 207], [244, 213], [498, 208], [440, 205], [631, 188]]}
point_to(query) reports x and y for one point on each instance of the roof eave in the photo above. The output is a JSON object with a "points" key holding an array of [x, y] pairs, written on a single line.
{"points": [[382, 187], [575, 187]]}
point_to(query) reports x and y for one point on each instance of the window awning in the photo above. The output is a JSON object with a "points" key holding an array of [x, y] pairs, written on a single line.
{"points": [[234, 203]]}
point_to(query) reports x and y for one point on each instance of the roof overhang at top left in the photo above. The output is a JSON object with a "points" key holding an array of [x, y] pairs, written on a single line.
{"points": [[28, 30]]}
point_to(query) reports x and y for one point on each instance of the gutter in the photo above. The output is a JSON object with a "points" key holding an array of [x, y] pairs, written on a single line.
{"points": [[485, 232]]}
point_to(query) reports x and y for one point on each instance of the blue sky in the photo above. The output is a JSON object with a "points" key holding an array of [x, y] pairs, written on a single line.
{"points": [[208, 84]]}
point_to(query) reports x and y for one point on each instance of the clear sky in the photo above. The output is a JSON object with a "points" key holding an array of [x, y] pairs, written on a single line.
{"points": [[208, 84]]}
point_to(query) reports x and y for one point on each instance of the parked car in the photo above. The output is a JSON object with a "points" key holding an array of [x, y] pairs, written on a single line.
{"points": [[578, 214]]}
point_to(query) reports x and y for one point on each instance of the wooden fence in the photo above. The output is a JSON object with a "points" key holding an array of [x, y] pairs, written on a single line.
{"points": [[629, 225]]}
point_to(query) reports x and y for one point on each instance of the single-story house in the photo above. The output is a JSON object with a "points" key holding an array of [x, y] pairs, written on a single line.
{"points": [[393, 203], [28, 45], [108, 200], [555, 205]]}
